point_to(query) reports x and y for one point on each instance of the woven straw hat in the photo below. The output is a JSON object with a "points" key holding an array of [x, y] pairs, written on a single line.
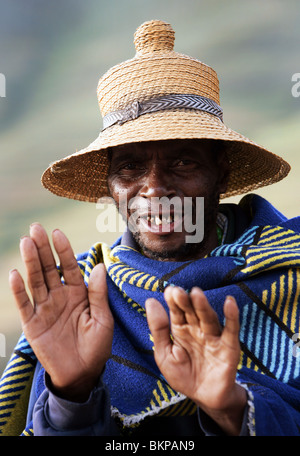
{"points": [[160, 95]]}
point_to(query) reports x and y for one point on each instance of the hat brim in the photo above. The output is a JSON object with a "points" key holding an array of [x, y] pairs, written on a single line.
{"points": [[83, 175]]}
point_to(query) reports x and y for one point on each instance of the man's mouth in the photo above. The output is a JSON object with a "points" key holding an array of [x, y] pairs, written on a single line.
{"points": [[162, 219], [159, 223]]}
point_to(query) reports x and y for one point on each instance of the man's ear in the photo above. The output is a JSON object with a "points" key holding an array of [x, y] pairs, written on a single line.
{"points": [[223, 167], [224, 175]]}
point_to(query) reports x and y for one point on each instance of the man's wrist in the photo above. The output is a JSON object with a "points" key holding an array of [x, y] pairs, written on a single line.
{"points": [[230, 417], [67, 417], [78, 393]]}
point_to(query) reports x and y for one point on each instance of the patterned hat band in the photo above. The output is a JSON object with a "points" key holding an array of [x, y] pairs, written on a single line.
{"points": [[166, 102]]}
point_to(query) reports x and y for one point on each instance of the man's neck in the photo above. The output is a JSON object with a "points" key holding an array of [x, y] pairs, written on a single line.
{"points": [[188, 252]]}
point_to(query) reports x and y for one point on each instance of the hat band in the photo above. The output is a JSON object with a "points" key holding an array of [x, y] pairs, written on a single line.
{"points": [[173, 101]]}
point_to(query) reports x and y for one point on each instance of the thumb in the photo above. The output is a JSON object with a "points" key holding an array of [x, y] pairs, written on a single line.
{"points": [[159, 325], [230, 333], [98, 297]]}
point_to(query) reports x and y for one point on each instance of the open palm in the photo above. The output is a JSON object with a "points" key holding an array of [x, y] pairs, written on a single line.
{"points": [[69, 327], [200, 359]]}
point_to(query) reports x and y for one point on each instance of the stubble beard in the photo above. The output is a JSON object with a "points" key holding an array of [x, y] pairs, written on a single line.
{"points": [[187, 251]]}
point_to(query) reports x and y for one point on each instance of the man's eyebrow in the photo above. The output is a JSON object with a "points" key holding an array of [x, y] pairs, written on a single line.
{"points": [[126, 155], [177, 153]]}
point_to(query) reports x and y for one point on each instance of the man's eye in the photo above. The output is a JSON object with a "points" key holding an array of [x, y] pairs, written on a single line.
{"points": [[183, 162], [131, 166]]}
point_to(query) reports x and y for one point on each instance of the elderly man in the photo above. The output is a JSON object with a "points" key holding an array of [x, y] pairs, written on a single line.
{"points": [[165, 332]]}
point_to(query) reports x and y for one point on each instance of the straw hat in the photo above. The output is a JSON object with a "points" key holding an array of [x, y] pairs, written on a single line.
{"points": [[160, 95]]}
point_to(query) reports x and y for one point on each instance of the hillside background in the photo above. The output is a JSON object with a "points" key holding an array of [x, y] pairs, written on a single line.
{"points": [[52, 55]]}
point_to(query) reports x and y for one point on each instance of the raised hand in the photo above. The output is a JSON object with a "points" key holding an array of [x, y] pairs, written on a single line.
{"points": [[201, 359], [69, 327]]}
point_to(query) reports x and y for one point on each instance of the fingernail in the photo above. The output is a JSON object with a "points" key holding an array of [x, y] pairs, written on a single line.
{"points": [[34, 224], [197, 290], [55, 231], [177, 287]]}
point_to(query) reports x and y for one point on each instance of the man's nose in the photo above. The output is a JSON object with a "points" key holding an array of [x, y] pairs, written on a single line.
{"points": [[157, 183]]}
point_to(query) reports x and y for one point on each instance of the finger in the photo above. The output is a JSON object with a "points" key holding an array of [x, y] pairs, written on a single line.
{"points": [[35, 276], [48, 263], [209, 322], [177, 315], [230, 335], [98, 298], [158, 322], [181, 302], [68, 263], [22, 300]]}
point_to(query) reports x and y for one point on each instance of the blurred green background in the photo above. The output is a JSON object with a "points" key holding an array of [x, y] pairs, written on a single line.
{"points": [[52, 54]]}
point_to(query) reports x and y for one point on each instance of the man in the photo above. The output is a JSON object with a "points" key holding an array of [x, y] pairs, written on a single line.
{"points": [[165, 332]]}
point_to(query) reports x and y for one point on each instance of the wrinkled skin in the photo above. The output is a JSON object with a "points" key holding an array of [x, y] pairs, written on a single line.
{"points": [[201, 359], [182, 169]]}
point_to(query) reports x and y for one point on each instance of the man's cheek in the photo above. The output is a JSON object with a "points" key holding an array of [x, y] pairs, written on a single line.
{"points": [[121, 202]]}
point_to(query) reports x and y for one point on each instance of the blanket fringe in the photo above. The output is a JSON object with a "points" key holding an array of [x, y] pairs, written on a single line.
{"points": [[134, 420]]}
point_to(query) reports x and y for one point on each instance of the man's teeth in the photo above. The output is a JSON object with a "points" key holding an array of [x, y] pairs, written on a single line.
{"points": [[159, 220]]}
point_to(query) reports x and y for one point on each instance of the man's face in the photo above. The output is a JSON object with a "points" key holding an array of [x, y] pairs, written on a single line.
{"points": [[142, 174]]}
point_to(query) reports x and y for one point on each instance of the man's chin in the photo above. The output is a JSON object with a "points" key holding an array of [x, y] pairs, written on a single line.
{"points": [[166, 250]]}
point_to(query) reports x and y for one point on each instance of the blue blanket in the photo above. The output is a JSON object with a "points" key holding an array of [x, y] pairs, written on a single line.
{"points": [[261, 269]]}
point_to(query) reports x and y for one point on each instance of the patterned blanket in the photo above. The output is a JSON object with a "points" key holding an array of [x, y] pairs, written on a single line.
{"points": [[261, 269]]}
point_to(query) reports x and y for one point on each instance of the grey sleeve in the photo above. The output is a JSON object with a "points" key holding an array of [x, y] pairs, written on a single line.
{"points": [[210, 428], [54, 416]]}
